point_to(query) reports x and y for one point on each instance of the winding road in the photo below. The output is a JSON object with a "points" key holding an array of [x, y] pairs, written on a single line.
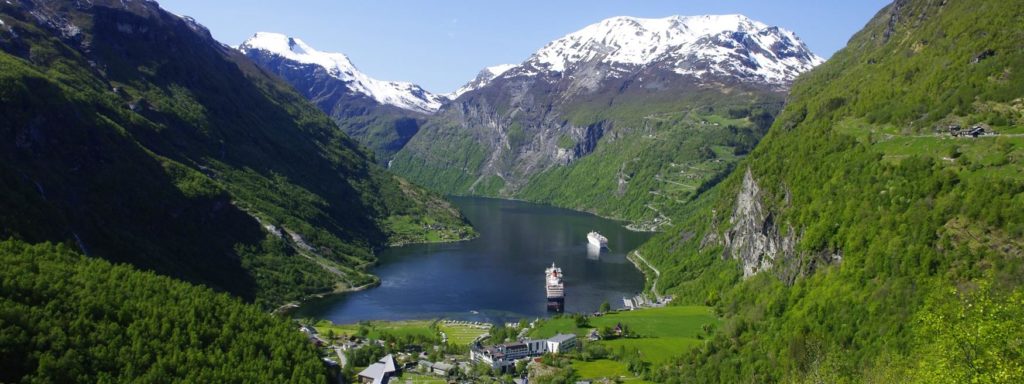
{"points": [[657, 274]]}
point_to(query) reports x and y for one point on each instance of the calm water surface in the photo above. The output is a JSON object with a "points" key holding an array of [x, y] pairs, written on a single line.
{"points": [[498, 276]]}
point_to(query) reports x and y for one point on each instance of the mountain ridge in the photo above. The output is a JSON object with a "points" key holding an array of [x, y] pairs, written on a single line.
{"points": [[405, 95], [626, 42]]}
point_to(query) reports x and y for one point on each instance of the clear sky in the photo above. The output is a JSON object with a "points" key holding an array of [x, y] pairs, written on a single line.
{"points": [[441, 44]]}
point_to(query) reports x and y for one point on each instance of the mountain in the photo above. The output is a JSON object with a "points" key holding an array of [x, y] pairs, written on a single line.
{"points": [[137, 138], [481, 79], [581, 109], [383, 115], [704, 47], [860, 241], [296, 53]]}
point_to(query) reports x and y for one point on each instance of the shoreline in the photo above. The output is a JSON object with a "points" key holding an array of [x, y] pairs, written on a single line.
{"points": [[629, 225], [286, 308], [290, 306], [403, 244]]}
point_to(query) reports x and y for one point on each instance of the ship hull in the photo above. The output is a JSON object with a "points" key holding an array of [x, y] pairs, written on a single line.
{"points": [[597, 240], [556, 304]]}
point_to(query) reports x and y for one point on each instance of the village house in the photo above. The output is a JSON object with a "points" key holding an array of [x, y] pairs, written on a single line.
{"points": [[380, 372]]}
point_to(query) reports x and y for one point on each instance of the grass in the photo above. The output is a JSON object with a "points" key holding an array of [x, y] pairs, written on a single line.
{"points": [[991, 156], [682, 321], [664, 332], [457, 333], [598, 369], [416, 378], [656, 350], [460, 334], [379, 329]]}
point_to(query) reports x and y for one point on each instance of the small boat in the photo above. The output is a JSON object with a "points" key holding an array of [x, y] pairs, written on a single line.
{"points": [[597, 240]]}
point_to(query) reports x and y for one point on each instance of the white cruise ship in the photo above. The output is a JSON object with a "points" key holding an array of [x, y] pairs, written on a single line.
{"points": [[597, 240], [555, 288]]}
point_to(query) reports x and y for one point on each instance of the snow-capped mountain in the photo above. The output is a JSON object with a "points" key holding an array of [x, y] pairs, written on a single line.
{"points": [[404, 95], [703, 47], [586, 87], [482, 78], [696, 45]]}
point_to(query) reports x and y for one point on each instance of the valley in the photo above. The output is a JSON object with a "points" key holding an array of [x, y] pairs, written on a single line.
{"points": [[177, 208]]}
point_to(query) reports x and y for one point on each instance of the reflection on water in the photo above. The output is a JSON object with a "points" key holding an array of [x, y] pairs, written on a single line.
{"points": [[498, 275], [593, 251]]}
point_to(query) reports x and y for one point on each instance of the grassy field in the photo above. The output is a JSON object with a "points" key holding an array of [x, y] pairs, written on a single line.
{"points": [[460, 334], [598, 369], [664, 332], [378, 329], [654, 322], [457, 333], [656, 350], [416, 378]]}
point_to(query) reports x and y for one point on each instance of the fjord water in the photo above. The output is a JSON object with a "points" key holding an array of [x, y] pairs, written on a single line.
{"points": [[498, 276]]}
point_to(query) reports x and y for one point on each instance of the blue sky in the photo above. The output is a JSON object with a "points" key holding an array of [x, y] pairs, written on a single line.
{"points": [[442, 44]]}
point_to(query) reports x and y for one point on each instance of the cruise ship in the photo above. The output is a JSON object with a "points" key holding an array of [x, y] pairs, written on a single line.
{"points": [[555, 288], [596, 239]]}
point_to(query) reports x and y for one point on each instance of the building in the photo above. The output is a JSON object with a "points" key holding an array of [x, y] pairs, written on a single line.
{"points": [[503, 355], [438, 368], [380, 372], [561, 342]]}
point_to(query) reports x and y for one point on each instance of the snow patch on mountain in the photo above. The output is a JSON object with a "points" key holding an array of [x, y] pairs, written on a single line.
{"points": [[404, 95], [483, 78], [688, 45]]}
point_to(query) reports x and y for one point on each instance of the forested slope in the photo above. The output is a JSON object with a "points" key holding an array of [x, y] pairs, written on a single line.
{"points": [[134, 136], [66, 318], [860, 242]]}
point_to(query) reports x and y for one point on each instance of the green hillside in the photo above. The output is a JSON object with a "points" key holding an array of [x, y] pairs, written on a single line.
{"points": [[136, 137], [662, 156], [907, 258], [656, 152], [69, 318]]}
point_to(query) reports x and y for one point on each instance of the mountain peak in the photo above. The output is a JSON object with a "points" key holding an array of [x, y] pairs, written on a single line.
{"points": [[482, 78], [726, 44], [404, 95]]}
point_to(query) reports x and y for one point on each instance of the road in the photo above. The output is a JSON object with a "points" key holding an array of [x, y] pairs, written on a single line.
{"points": [[342, 360], [657, 274]]}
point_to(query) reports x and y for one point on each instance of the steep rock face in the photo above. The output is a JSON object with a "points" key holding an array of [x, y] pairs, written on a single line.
{"points": [[759, 242], [754, 237], [592, 86]]}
